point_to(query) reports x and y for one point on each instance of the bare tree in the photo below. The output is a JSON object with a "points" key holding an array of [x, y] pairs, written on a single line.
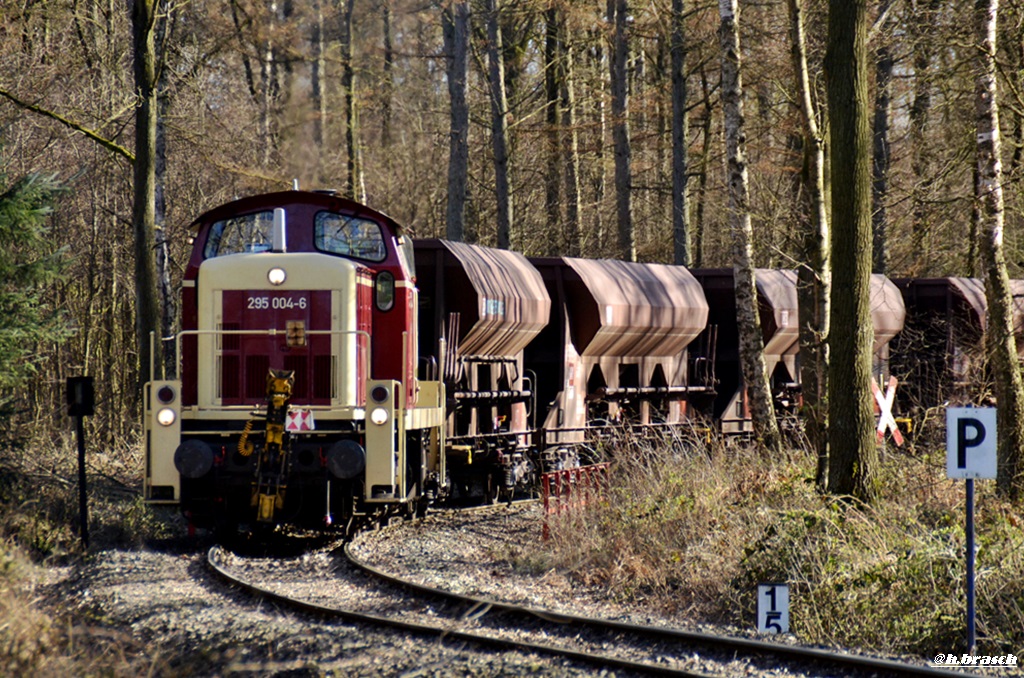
{"points": [[1002, 344], [499, 126], [680, 123], [147, 311], [882, 158], [354, 185], [618, 11], [456, 43], [853, 452], [752, 364], [553, 173], [814, 275]]}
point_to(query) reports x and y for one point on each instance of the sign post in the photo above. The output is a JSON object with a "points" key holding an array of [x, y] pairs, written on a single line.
{"points": [[971, 453]]}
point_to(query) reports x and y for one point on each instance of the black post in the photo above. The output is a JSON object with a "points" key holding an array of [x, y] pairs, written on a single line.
{"points": [[83, 503], [971, 628], [80, 397]]}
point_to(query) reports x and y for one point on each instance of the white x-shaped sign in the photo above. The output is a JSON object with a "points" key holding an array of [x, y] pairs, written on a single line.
{"points": [[885, 419]]}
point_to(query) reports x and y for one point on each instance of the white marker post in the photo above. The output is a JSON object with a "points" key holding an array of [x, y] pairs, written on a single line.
{"points": [[773, 608], [971, 452]]}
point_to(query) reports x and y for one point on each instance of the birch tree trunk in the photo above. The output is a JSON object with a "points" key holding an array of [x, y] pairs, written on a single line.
{"points": [[570, 139], [147, 311], [499, 126], [680, 123], [168, 305], [1002, 345], [752, 364], [853, 451], [619, 11], [456, 45], [814, 275], [268, 99]]}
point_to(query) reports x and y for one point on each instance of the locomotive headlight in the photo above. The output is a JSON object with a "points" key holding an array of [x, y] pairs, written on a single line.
{"points": [[166, 416], [276, 276], [379, 416]]}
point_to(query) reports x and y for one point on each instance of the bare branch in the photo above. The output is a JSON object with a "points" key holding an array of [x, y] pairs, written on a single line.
{"points": [[102, 141]]}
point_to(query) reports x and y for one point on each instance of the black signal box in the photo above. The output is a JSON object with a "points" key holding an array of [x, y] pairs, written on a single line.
{"points": [[81, 396]]}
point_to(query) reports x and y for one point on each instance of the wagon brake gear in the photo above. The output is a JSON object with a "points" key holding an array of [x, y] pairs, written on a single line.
{"points": [[275, 458]]}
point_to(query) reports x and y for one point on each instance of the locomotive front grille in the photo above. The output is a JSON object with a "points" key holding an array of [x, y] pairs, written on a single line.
{"points": [[323, 377], [299, 365], [256, 368], [230, 377]]}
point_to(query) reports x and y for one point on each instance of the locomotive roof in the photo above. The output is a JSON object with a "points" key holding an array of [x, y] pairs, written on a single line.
{"points": [[265, 201]]}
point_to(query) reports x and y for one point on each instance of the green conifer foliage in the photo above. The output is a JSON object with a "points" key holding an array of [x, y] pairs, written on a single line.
{"points": [[29, 263]]}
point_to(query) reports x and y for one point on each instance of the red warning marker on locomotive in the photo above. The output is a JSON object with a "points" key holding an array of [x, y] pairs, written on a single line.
{"points": [[300, 420]]}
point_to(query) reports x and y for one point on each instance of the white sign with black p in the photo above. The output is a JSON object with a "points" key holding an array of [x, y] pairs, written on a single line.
{"points": [[971, 442], [773, 608]]}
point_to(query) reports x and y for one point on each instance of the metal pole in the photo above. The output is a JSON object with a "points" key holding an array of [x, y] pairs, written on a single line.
{"points": [[83, 505], [970, 567]]}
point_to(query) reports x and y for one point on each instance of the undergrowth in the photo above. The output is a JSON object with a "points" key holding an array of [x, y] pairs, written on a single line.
{"points": [[691, 529], [40, 634]]}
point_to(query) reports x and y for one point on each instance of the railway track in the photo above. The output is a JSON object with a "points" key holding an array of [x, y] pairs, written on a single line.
{"points": [[388, 601]]}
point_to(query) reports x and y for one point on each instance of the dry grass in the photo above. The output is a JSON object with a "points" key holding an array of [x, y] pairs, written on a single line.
{"points": [[692, 529], [39, 635]]}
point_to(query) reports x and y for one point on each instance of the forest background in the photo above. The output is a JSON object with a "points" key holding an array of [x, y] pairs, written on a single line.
{"points": [[355, 96]]}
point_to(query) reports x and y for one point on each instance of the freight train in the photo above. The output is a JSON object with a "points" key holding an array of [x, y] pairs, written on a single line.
{"points": [[331, 368]]}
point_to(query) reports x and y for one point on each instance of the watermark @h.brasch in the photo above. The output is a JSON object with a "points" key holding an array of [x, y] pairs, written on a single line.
{"points": [[1007, 660]]}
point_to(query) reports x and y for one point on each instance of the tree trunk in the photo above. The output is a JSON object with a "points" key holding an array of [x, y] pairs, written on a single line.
{"points": [[456, 44], [317, 80], [702, 175], [354, 186], [570, 140], [499, 126], [752, 363], [853, 451], [619, 11], [920, 110], [168, 305], [147, 311], [680, 160], [553, 173], [389, 78], [881, 158], [1002, 345], [814, 275], [270, 92]]}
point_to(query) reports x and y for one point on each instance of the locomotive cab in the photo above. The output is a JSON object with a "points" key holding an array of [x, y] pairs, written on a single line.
{"points": [[297, 399]]}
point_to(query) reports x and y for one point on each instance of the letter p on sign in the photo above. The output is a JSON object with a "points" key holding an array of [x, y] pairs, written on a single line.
{"points": [[971, 442]]}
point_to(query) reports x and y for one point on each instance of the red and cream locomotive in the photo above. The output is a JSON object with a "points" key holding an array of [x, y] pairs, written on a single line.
{"points": [[298, 398]]}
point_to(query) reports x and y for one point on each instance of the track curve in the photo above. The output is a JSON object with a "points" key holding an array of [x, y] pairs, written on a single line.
{"points": [[807, 657], [547, 623], [213, 563]]}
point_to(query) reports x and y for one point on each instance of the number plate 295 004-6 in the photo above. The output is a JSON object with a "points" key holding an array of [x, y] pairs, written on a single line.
{"points": [[277, 303]]}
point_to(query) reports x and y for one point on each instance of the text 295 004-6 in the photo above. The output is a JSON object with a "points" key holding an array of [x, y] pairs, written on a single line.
{"points": [[276, 303]]}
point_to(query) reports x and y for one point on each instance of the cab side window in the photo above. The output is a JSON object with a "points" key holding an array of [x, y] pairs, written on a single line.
{"points": [[247, 233], [349, 236]]}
